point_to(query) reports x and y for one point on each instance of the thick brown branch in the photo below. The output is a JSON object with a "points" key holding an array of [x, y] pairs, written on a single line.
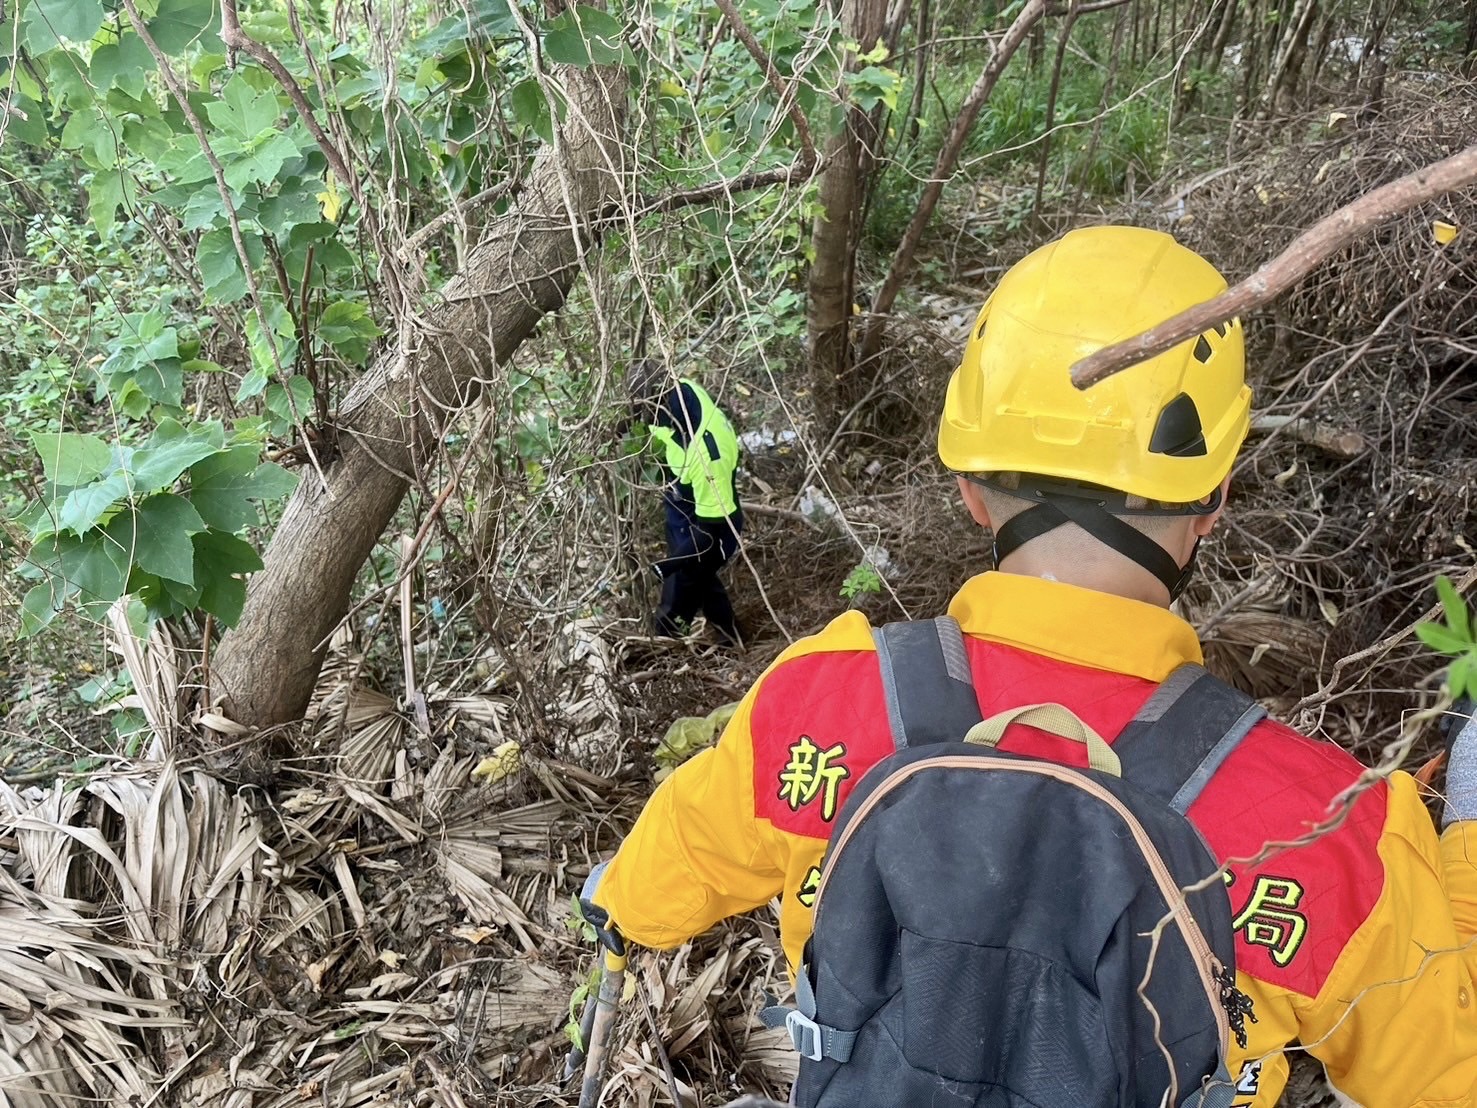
{"points": [[772, 75], [1309, 250]]}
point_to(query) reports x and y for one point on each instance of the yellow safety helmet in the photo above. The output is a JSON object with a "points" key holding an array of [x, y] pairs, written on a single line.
{"points": [[1167, 429]]}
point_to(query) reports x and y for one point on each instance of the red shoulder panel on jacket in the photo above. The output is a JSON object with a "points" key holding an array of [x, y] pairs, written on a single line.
{"points": [[1296, 908], [819, 723]]}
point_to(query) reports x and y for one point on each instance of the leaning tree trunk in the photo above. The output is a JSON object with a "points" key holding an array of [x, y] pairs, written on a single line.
{"points": [[265, 668]]}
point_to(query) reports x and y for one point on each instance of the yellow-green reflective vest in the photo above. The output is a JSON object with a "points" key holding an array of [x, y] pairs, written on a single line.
{"points": [[709, 459]]}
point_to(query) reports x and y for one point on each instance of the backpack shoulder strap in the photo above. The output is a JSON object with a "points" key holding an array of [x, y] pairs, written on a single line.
{"points": [[1182, 734], [926, 681]]}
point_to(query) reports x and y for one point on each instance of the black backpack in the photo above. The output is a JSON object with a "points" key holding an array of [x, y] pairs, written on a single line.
{"points": [[996, 930]]}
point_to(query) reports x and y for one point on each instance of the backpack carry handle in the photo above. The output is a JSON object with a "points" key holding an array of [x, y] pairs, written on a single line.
{"points": [[1055, 720]]}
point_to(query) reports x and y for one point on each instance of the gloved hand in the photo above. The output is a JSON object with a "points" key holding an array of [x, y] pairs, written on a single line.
{"points": [[597, 917], [1460, 730]]}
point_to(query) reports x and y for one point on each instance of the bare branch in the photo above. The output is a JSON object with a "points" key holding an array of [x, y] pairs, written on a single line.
{"points": [[902, 258], [236, 39], [772, 75], [1307, 252]]}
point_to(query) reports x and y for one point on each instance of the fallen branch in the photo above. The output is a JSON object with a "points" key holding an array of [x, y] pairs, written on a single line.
{"points": [[1309, 250], [1341, 442]]}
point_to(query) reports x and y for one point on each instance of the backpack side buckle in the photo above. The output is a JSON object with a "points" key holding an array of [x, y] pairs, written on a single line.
{"points": [[805, 1033]]}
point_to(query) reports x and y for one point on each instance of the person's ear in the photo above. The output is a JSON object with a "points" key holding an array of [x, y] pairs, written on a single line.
{"points": [[974, 500], [1200, 526]]}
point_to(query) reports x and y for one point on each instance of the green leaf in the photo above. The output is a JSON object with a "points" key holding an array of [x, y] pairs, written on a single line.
{"points": [[85, 506], [346, 326], [179, 23], [162, 381], [157, 533], [70, 459], [298, 394], [242, 112], [531, 108], [170, 451], [1460, 677], [583, 36], [27, 122], [223, 486], [219, 559], [124, 64], [261, 162], [220, 264], [109, 189], [48, 21], [1454, 606], [38, 608], [95, 567], [1441, 639]]}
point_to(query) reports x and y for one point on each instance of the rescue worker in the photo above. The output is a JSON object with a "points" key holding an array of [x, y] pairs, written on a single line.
{"points": [[699, 453], [1356, 942]]}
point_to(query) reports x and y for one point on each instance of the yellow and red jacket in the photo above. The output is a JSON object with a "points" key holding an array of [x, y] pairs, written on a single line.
{"points": [[1355, 940]]}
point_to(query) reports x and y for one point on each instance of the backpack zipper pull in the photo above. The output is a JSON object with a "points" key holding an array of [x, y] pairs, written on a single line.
{"points": [[1237, 1004]]}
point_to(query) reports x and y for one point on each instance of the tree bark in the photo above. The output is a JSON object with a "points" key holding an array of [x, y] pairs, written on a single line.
{"points": [[265, 668], [830, 289]]}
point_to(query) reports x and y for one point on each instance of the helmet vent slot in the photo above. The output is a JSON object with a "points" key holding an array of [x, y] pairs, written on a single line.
{"points": [[1178, 432], [1203, 350]]}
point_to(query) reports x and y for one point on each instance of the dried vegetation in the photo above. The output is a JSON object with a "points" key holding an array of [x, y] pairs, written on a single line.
{"points": [[378, 926]]}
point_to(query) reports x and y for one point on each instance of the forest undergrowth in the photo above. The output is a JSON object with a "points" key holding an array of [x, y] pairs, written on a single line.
{"points": [[388, 918]]}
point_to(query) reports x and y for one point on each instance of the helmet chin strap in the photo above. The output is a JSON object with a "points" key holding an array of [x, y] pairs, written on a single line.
{"points": [[1058, 503]]}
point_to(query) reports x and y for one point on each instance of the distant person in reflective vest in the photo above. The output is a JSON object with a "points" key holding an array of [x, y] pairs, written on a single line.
{"points": [[699, 452]]}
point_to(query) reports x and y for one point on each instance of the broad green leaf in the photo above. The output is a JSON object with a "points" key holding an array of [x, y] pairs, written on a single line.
{"points": [[96, 567], [531, 108], [345, 325], [242, 112], [125, 63], [47, 21], [70, 459], [291, 403], [170, 451], [294, 205], [480, 18], [38, 608], [179, 23], [1441, 639], [27, 121], [582, 36], [260, 162], [84, 507], [223, 486], [219, 558], [109, 189], [220, 264], [158, 532], [162, 380], [1454, 607]]}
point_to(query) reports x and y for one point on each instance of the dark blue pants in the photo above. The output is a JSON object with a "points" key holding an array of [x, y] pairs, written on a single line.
{"points": [[696, 550]]}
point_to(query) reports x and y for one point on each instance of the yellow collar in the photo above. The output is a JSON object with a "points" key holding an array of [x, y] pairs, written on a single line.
{"points": [[1075, 625]]}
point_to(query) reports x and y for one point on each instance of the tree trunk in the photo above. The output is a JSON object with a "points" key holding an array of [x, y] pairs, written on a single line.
{"points": [[264, 671], [831, 287]]}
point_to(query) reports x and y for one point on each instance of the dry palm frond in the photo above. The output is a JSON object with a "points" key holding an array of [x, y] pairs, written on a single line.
{"points": [[152, 662]]}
